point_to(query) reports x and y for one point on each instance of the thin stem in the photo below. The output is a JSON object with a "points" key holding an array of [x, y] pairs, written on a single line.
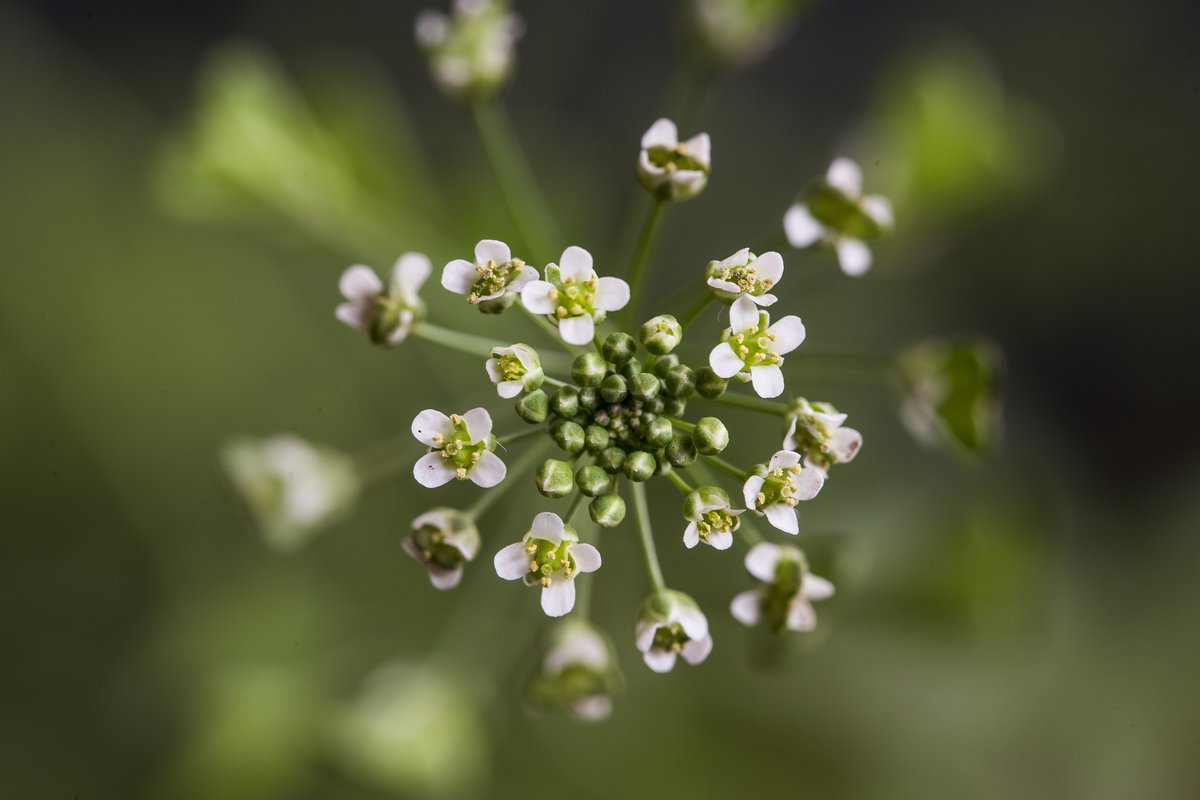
{"points": [[583, 589], [516, 182], [576, 502], [690, 315], [751, 403], [551, 331], [727, 468], [679, 482], [555, 382], [642, 513], [686, 427], [522, 465], [640, 256], [517, 436], [467, 343]]}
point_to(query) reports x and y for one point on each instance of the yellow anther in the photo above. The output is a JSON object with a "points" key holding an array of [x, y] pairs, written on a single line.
{"points": [[546, 582]]}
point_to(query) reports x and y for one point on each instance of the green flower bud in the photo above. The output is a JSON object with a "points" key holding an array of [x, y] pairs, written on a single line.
{"points": [[658, 432], [589, 398], [619, 347], [631, 369], [592, 480], [588, 369], [674, 406], [611, 459], [565, 402], [644, 386], [533, 407], [680, 381], [664, 364], [497, 305], [607, 510], [554, 478], [569, 436], [710, 436], [596, 438], [613, 389], [662, 334], [653, 406], [709, 384], [681, 451], [639, 466]]}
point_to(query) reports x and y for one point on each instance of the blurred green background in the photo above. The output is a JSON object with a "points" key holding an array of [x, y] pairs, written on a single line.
{"points": [[1025, 627]]}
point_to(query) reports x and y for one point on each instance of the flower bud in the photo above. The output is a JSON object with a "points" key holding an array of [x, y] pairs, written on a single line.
{"points": [[653, 406], [674, 406], [710, 385], [515, 369], [588, 369], [619, 347], [661, 334], [442, 541], [681, 451], [664, 364], [658, 432], [569, 436], [592, 480], [607, 510], [554, 478], [680, 381], [639, 466], [644, 386], [533, 407], [565, 401], [631, 369], [589, 398], [613, 389], [611, 459], [596, 438], [710, 436]]}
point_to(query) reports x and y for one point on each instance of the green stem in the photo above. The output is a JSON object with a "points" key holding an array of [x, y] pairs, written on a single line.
{"points": [[468, 343], [640, 256], [522, 465], [686, 427], [642, 514], [555, 382], [516, 182], [583, 589], [727, 468], [690, 315], [517, 436], [679, 482], [751, 403], [576, 502], [551, 331]]}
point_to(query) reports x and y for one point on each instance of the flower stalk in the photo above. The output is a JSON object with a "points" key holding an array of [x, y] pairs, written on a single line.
{"points": [[642, 514]]}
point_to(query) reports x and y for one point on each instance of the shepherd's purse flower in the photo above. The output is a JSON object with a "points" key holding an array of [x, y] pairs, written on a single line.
{"points": [[459, 447]]}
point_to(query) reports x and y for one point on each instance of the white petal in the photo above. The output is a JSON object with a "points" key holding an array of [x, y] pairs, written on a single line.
{"points": [[801, 228], [789, 333], [737, 259], [783, 458], [509, 389], [493, 368], [354, 314], [853, 256], [595, 708], [430, 423], [432, 28], [662, 133], [750, 490], [547, 526], [724, 361], [431, 471], [720, 540], [783, 517], [643, 635], [612, 294], [801, 616], [770, 266], [488, 470], [524, 277], [878, 208], [577, 330], [693, 622], [845, 444], [444, 579], [696, 650], [459, 276], [648, 167], [816, 588], [479, 423], [765, 300], [536, 297], [789, 438], [512, 561], [659, 660], [724, 286], [808, 482], [492, 250], [359, 282], [438, 519], [699, 147], [576, 263], [743, 314], [410, 271], [558, 598], [691, 535], [746, 608], [762, 560], [587, 557], [768, 380], [845, 176], [402, 329]]}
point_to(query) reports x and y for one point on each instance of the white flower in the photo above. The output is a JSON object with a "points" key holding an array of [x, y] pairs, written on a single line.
{"points": [[470, 53], [671, 169], [742, 31], [783, 483], [578, 672], [670, 624], [817, 431], [494, 274], [574, 296], [443, 540], [787, 592], [745, 275], [711, 518], [459, 447], [514, 370], [549, 555], [388, 312], [837, 214], [753, 349]]}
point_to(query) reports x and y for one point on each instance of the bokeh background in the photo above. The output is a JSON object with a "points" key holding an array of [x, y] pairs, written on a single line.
{"points": [[1025, 626]]}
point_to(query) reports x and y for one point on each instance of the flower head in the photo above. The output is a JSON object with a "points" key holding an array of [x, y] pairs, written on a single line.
{"points": [[578, 672], [470, 53], [773, 491], [388, 312], [786, 593], [744, 274], [670, 624], [514, 370], [573, 296], [742, 31], [835, 213], [752, 349], [711, 518], [816, 431], [550, 555], [459, 447], [494, 275], [671, 169], [443, 540]]}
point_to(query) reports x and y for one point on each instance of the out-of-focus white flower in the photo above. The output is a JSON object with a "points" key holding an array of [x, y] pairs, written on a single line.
{"points": [[773, 491], [578, 672], [494, 274], [817, 431], [787, 591], [443, 540], [574, 296], [386, 312], [550, 555], [671, 169], [472, 52], [670, 624], [459, 447], [752, 349], [835, 213], [514, 370], [711, 518], [741, 32], [744, 274]]}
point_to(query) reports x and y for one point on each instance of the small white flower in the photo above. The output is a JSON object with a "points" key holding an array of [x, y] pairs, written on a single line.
{"points": [[817, 431], [787, 591], [671, 169], [514, 370], [783, 483], [550, 555], [741, 32], [745, 275], [388, 312], [578, 672], [837, 214], [752, 349], [471, 53], [494, 274], [670, 624], [443, 540], [711, 518], [459, 447], [574, 297]]}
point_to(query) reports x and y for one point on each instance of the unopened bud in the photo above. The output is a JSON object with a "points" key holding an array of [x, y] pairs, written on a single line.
{"points": [[661, 334], [554, 478], [565, 401], [607, 510], [619, 347], [588, 369], [711, 436], [592, 480], [639, 466], [709, 384], [533, 407], [569, 436]]}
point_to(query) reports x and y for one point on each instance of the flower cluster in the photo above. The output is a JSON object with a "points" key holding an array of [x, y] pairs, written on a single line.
{"points": [[471, 52]]}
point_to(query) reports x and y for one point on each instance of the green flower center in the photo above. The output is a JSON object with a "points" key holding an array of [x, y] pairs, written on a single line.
{"points": [[430, 542], [777, 487], [574, 298], [494, 278], [673, 159], [457, 449], [548, 560], [670, 638], [511, 367], [718, 520], [755, 346], [745, 277]]}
